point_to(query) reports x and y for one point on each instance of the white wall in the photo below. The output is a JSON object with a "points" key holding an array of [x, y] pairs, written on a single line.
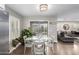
{"points": [[74, 25], [51, 24], [72, 15], [71, 18]]}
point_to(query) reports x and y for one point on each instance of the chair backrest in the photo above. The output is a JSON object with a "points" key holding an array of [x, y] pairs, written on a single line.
{"points": [[39, 47], [50, 41], [24, 37], [27, 40]]}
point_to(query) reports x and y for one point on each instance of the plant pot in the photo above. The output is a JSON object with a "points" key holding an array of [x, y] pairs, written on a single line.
{"points": [[14, 43]]}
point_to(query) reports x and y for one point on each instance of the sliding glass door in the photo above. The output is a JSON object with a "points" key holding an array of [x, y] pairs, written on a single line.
{"points": [[39, 27]]}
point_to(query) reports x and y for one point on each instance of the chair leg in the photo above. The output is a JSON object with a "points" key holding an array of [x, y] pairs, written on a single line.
{"points": [[32, 50], [24, 50]]}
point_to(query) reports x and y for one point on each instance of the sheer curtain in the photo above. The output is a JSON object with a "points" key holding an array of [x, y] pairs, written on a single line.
{"points": [[14, 29]]}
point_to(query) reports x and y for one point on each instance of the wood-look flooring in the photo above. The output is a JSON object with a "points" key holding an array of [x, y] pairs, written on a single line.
{"points": [[58, 49]]}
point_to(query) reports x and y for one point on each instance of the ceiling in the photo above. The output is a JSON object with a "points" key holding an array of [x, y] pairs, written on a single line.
{"points": [[53, 9]]}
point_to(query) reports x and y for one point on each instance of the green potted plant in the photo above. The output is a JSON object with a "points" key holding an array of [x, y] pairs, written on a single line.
{"points": [[25, 32]]}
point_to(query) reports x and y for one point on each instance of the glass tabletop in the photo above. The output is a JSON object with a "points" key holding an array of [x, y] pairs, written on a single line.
{"points": [[41, 38]]}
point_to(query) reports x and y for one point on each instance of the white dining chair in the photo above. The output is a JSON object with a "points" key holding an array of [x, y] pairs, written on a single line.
{"points": [[39, 48], [27, 43], [49, 43]]}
